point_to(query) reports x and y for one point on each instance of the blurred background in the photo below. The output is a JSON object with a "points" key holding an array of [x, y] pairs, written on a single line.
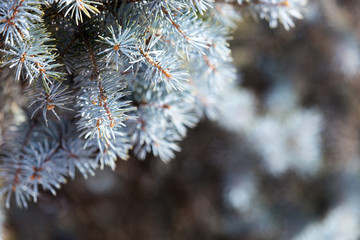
{"points": [[282, 163]]}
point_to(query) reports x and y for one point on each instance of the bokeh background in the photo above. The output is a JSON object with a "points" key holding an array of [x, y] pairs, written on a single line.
{"points": [[281, 163]]}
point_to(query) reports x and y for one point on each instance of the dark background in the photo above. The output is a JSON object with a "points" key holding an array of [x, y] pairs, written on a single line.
{"points": [[188, 197]]}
